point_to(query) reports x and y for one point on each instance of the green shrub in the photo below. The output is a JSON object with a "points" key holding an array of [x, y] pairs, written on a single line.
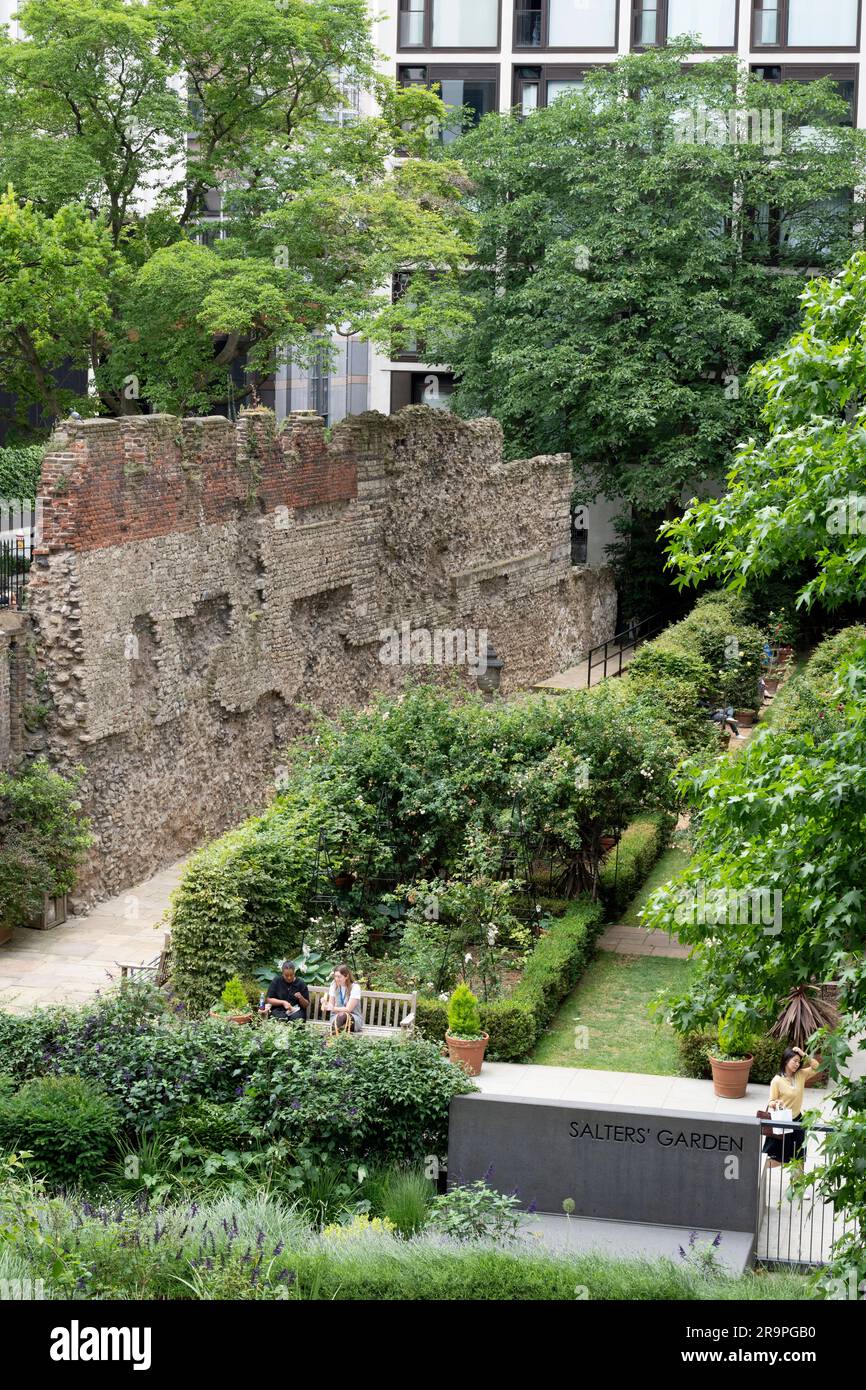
{"points": [[233, 999], [404, 1199], [551, 970], [212, 1125], [694, 1050], [464, 1020], [20, 469], [627, 866], [474, 1211], [68, 1125], [43, 839], [241, 900]]}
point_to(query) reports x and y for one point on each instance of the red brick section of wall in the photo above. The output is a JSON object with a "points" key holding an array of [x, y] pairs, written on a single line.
{"points": [[105, 482]]}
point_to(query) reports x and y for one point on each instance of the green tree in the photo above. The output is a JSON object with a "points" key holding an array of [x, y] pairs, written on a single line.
{"points": [[634, 261], [787, 817], [149, 113], [797, 498], [54, 297], [43, 838]]}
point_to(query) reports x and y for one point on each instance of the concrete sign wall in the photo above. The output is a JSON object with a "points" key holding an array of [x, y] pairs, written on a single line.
{"points": [[662, 1166]]}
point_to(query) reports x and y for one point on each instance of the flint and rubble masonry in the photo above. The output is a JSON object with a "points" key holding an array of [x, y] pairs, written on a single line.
{"points": [[200, 581]]}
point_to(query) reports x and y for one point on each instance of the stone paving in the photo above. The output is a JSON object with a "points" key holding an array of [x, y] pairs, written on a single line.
{"points": [[637, 941], [626, 1088], [71, 962]]}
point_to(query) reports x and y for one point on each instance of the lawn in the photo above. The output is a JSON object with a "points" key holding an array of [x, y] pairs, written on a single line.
{"points": [[668, 865], [612, 1003]]}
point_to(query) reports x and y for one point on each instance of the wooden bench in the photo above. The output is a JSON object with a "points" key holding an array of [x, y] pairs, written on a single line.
{"points": [[155, 971], [385, 1015]]}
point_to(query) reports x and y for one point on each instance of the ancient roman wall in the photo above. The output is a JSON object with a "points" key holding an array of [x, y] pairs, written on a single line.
{"points": [[200, 583]]}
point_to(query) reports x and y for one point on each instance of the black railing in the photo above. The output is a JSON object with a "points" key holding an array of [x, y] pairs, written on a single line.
{"points": [[792, 1228], [14, 565], [609, 655]]}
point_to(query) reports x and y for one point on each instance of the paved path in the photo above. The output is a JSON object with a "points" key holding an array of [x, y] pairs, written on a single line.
{"points": [[575, 677], [71, 962], [624, 1088], [637, 941]]}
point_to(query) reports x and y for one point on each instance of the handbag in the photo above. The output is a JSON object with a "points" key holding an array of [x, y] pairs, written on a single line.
{"points": [[766, 1129]]}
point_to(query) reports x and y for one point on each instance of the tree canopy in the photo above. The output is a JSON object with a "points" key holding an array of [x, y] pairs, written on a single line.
{"points": [[642, 243], [798, 496], [127, 122]]}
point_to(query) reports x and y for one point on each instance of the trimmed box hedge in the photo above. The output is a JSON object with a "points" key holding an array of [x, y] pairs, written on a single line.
{"points": [[625, 869], [552, 969]]}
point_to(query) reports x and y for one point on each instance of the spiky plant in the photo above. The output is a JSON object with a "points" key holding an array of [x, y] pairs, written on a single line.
{"points": [[803, 1013]]}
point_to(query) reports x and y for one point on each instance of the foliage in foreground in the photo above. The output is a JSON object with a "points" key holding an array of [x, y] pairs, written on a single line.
{"points": [[262, 1248], [250, 1088], [797, 498]]}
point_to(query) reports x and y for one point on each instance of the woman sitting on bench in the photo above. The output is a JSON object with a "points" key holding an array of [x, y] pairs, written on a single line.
{"points": [[344, 1002]]}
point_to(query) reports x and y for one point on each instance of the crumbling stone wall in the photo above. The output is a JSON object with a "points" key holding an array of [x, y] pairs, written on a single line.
{"points": [[200, 582]]}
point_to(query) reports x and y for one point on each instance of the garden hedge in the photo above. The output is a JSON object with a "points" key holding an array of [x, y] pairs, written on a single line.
{"points": [[552, 969], [127, 1062], [625, 869]]}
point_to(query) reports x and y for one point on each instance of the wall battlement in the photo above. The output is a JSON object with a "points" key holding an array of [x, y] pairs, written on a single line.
{"points": [[199, 582]]}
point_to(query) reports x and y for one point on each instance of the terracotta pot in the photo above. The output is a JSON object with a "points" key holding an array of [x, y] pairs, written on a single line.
{"points": [[607, 842], [772, 684], [746, 717], [233, 1018], [468, 1053], [343, 881], [730, 1079]]}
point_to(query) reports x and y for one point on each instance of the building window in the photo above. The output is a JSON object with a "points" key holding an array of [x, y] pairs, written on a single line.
{"points": [[537, 87], [844, 80], [645, 23], [656, 21], [473, 92], [448, 24], [320, 394], [412, 24], [528, 24], [715, 21], [766, 30], [565, 24], [822, 23], [817, 24], [579, 536]]}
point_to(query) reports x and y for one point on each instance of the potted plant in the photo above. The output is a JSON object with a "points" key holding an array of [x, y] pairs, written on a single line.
{"points": [[731, 1061], [801, 1015], [466, 1039], [233, 1002]]}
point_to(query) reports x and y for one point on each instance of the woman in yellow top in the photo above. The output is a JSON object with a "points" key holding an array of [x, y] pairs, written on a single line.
{"points": [[786, 1093]]}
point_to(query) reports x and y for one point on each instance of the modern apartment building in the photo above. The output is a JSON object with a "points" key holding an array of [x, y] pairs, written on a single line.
{"points": [[493, 55]]}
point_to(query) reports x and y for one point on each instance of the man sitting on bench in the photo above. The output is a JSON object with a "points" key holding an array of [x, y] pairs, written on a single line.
{"points": [[288, 997]]}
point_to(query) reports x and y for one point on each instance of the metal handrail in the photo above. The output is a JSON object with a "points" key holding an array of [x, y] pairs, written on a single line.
{"points": [[628, 639]]}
